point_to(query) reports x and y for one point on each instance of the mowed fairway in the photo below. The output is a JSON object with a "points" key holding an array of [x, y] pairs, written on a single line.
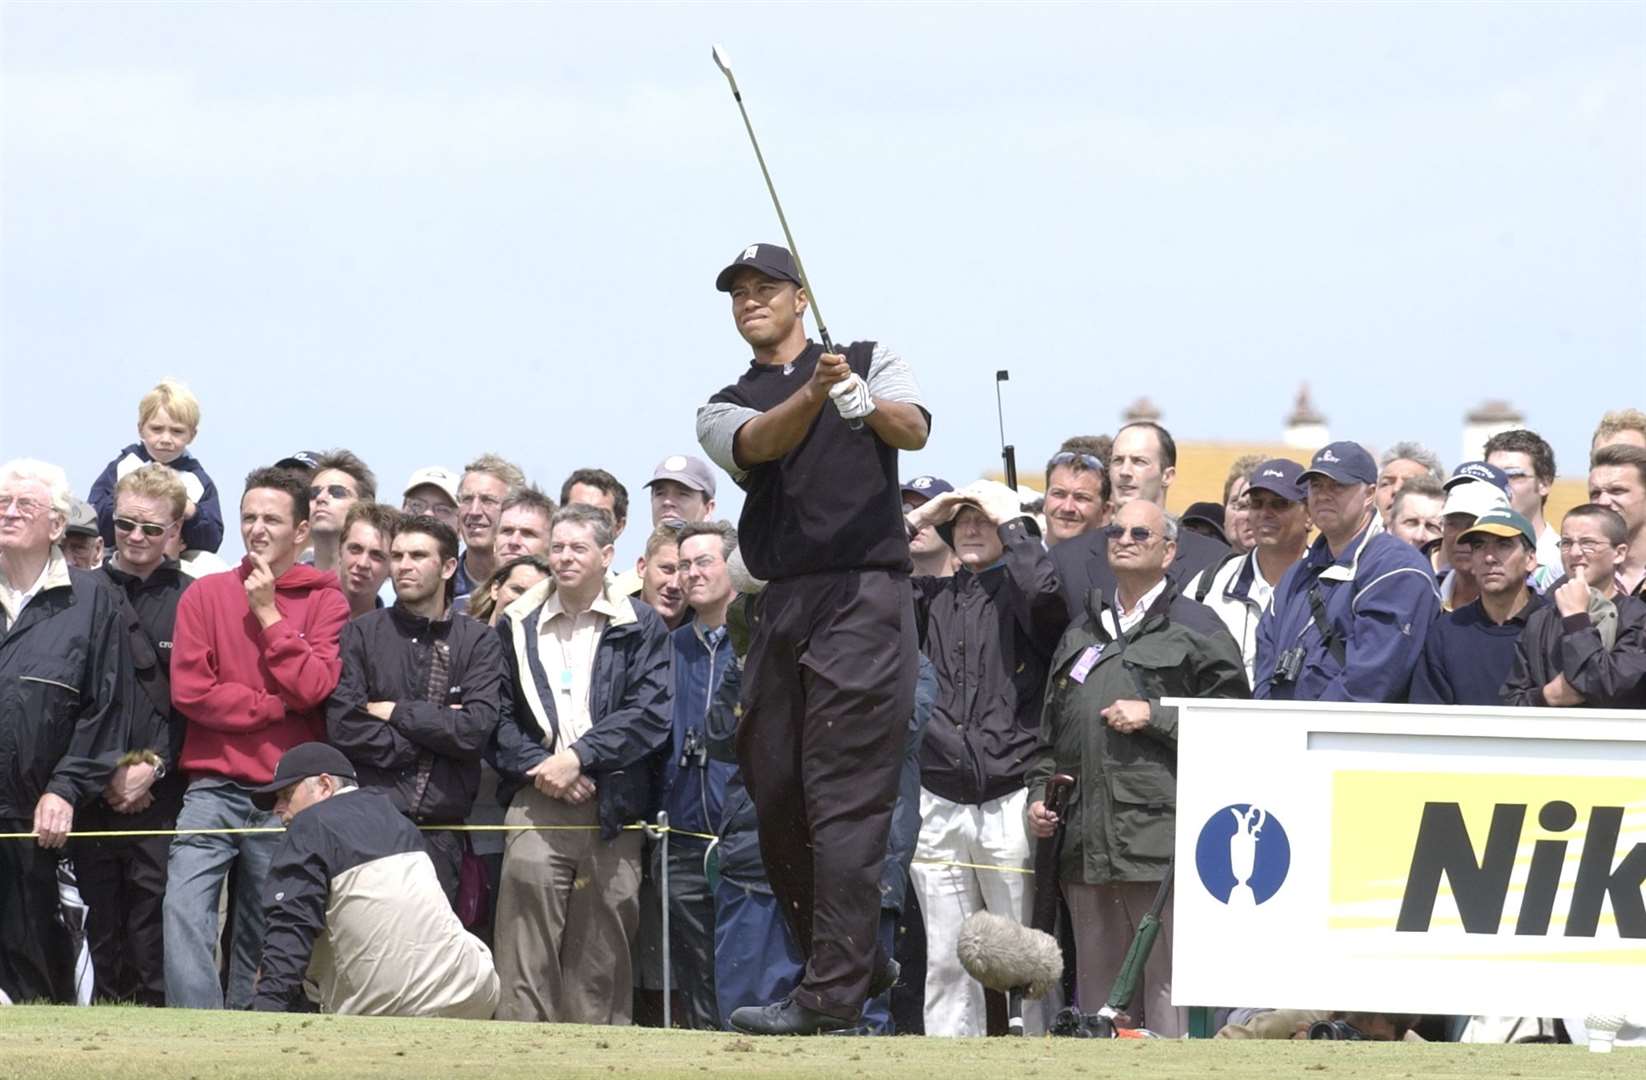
{"points": [[136, 1044]]}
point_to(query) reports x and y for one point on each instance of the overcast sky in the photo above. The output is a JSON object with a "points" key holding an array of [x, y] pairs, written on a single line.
{"points": [[425, 231]]}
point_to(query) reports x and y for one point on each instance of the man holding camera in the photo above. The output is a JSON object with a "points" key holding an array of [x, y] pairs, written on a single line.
{"points": [[1348, 622]]}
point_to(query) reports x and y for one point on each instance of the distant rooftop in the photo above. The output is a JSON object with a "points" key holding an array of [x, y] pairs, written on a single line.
{"points": [[1303, 409]]}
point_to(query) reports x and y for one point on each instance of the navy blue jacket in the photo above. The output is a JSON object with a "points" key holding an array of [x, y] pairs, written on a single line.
{"points": [[1380, 599], [202, 532], [1467, 657], [695, 793], [628, 706]]}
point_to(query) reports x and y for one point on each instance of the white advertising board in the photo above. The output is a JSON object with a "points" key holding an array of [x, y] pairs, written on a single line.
{"points": [[1402, 858]]}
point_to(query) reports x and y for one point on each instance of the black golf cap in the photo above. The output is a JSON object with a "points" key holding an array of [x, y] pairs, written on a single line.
{"points": [[769, 259], [299, 763], [1207, 513]]}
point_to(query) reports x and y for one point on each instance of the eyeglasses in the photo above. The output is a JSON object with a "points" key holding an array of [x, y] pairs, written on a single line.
{"points": [[1069, 457], [150, 529], [1588, 545], [23, 508], [336, 491], [1138, 533], [424, 506]]}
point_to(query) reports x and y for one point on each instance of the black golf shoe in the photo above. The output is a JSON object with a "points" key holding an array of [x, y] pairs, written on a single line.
{"points": [[786, 1017]]}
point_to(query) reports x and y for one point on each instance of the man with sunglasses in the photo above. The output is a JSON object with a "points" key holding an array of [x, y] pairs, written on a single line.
{"points": [[1104, 723], [1348, 622], [1142, 466], [340, 480], [1241, 589], [123, 880]]}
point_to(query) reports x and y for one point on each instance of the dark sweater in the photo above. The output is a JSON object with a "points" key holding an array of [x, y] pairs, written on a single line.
{"points": [[832, 503], [1467, 656]]}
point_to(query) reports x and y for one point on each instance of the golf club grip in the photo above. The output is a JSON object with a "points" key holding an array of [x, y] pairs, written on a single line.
{"points": [[828, 347], [1047, 851]]}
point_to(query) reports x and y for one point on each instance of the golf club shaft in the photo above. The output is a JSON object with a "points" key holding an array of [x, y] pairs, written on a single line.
{"points": [[799, 264]]}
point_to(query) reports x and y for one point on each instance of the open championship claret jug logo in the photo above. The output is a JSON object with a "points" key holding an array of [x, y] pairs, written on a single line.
{"points": [[1242, 855]]}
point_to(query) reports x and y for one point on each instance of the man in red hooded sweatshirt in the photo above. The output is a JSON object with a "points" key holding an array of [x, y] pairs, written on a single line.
{"points": [[254, 658]]}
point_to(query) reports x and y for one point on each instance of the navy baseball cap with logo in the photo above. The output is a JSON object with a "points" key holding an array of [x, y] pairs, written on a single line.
{"points": [[1478, 470], [769, 259], [1280, 477], [927, 487], [1345, 462]]}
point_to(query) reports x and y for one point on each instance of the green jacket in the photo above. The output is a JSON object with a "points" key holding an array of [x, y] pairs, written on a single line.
{"points": [[1118, 822]]}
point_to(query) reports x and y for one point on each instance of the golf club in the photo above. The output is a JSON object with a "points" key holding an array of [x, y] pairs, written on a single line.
{"points": [[1008, 452], [723, 62]]}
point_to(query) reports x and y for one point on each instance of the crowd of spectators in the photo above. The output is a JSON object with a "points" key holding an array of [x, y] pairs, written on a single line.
{"points": [[463, 767]]}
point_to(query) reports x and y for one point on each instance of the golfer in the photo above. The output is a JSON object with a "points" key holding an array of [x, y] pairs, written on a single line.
{"points": [[812, 438]]}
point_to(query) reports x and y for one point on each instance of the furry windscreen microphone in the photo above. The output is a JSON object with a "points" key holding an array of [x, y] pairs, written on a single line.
{"points": [[1004, 955]]}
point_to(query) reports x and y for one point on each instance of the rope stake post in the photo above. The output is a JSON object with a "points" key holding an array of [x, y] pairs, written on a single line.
{"points": [[661, 832]]}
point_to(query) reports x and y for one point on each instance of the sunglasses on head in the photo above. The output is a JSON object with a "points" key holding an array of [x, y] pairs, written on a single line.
{"points": [[336, 491], [1139, 534], [1068, 457], [150, 529]]}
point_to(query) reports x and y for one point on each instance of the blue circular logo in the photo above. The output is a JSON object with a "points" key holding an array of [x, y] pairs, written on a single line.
{"points": [[1242, 855]]}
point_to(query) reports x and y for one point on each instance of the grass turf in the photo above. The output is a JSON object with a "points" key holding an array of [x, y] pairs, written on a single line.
{"points": [[46, 1043]]}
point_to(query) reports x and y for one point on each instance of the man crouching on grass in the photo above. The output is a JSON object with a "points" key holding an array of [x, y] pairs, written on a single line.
{"points": [[353, 904]]}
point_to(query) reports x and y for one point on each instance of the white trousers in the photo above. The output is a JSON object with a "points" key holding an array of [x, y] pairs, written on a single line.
{"points": [[991, 834]]}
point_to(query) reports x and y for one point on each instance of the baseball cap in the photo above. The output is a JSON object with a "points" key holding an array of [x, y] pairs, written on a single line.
{"points": [[1279, 476], [1474, 498], [299, 763], [1345, 462], [442, 478], [82, 518], [927, 487], [307, 460], [1504, 523], [769, 259], [1209, 513], [1478, 470], [685, 469]]}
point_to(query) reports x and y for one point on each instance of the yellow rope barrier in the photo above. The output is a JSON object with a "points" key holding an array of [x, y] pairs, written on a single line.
{"points": [[655, 830], [113, 834]]}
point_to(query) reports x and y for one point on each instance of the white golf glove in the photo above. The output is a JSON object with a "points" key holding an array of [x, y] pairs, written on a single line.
{"points": [[851, 397]]}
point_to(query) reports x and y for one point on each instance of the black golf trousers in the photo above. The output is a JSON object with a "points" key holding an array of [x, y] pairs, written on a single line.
{"points": [[828, 689]]}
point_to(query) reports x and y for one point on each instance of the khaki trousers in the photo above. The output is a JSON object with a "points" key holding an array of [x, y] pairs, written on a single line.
{"points": [[1105, 919], [567, 909]]}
